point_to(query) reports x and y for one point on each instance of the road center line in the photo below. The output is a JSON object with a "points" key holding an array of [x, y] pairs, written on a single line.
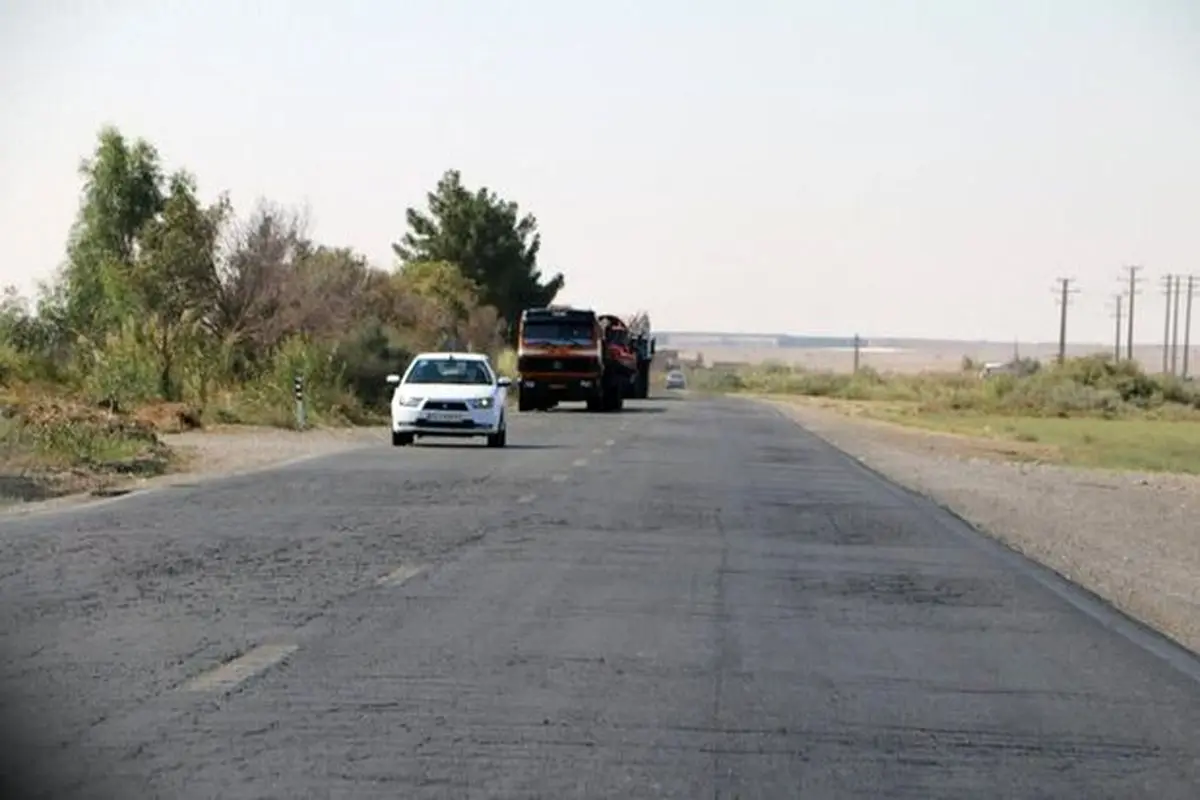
{"points": [[558, 478], [248, 664], [579, 462], [399, 575], [526, 498], [597, 450], [609, 442]]}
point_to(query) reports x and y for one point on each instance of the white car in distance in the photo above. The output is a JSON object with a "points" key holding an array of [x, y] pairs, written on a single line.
{"points": [[449, 395]]}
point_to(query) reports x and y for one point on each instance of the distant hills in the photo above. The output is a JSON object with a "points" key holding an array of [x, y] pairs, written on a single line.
{"points": [[693, 339]]}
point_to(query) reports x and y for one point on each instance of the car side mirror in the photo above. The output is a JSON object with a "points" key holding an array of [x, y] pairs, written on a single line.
{"points": [[504, 381], [393, 379]]}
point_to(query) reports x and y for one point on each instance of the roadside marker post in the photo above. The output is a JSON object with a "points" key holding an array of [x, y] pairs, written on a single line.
{"points": [[301, 414]]}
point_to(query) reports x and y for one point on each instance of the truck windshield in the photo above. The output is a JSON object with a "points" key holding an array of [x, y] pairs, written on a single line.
{"points": [[558, 332]]}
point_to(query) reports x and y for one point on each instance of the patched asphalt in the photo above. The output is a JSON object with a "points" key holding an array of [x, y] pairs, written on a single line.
{"points": [[692, 599]]}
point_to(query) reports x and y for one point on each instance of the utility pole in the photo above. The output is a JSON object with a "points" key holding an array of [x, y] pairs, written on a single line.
{"points": [[1117, 343], [1167, 326], [1175, 328], [1187, 323], [1065, 291], [1133, 290]]}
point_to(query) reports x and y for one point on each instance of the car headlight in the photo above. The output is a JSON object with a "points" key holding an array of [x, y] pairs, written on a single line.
{"points": [[483, 402], [410, 402]]}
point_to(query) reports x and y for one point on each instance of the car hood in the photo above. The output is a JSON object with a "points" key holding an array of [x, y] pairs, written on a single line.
{"points": [[445, 391]]}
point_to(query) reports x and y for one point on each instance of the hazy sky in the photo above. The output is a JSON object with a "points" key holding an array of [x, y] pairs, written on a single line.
{"points": [[893, 168]]}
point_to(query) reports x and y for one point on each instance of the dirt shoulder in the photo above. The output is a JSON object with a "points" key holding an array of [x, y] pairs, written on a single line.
{"points": [[204, 454], [1129, 537]]}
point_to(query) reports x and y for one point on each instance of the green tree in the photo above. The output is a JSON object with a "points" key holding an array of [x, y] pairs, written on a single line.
{"points": [[175, 275], [123, 190], [449, 306], [487, 239]]}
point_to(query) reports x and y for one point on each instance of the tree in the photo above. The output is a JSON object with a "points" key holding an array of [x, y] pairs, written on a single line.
{"points": [[450, 306], [486, 238], [175, 275], [123, 190]]}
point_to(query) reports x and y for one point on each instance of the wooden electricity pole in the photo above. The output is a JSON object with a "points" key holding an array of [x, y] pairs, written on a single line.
{"points": [[1065, 290]]}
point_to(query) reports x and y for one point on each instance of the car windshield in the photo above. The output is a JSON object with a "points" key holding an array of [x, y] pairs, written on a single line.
{"points": [[558, 332], [449, 370]]}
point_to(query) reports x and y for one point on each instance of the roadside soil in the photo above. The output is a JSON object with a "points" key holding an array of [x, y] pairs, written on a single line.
{"points": [[1131, 538], [212, 452]]}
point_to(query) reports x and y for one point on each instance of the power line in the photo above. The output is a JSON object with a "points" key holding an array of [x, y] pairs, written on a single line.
{"points": [[1064, 290], [1133, 292]]}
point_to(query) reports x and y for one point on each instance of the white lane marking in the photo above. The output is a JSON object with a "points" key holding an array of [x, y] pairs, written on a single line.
{"points": [[558, 478], [248, 664], [579, 462], [597, 450], [609, 442], [399, 575], [526, 498]]}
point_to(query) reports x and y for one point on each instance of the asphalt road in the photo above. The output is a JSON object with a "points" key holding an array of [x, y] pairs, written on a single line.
{"points": [[692, 599]]}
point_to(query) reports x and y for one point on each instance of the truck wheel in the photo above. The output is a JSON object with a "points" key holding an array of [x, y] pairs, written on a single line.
{"points": [[525, 402]]}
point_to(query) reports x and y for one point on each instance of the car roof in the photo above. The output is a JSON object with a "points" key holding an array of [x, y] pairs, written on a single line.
{"points": [[456, 356]]}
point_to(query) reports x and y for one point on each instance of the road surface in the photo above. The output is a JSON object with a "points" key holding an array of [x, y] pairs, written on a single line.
{"points": [[692, 599]]}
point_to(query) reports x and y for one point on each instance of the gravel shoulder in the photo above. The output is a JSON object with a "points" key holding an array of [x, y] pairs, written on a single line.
{"points": [[1131, 538]]}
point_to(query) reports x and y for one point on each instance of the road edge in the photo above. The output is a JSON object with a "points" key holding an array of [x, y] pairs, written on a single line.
{"points": [[1097, 607]]}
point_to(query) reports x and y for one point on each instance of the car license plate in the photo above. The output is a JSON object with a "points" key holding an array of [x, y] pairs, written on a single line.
{"points": [[444, 416], [558, 386]]}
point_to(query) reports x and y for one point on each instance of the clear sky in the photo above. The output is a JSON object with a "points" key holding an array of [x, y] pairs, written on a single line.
{"points": [[913, 168]]}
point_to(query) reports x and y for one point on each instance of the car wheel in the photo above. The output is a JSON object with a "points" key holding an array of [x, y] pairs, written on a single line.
{"points": [[500, 438], [401, 439]]}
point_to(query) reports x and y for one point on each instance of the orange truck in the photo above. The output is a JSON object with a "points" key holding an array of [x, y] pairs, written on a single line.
{"points": [[567, 354]]}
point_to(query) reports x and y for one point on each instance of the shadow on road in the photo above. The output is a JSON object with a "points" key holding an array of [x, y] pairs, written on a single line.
{"points": [[628, 409], [469, 445]]}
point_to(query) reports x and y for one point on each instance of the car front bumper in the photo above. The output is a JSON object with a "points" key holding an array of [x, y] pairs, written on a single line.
{"points": [[476, 422]]}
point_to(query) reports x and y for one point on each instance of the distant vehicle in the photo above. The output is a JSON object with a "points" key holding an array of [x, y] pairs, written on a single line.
{"points": [[675, 380], [567, 354], [449, 395]]}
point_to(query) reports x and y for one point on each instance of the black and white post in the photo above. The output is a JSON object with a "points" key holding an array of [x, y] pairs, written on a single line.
{"points": [[301, 412]]}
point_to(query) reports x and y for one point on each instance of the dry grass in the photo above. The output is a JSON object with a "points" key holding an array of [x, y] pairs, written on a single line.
{"points": [[1089, 412]]}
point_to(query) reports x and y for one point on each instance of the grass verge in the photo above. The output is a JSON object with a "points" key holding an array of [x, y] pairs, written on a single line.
{"points": [[1088, 412], [54, 449]]}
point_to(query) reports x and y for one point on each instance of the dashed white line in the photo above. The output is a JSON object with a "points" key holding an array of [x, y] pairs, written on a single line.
{"points": [[231, 673], [597, 450], [558, 478], [526, 498], [399, 575], [609, 442], [579, 462]]}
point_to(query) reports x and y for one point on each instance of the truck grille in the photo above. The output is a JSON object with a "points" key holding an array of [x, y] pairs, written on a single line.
{"points": [[551, 364]]}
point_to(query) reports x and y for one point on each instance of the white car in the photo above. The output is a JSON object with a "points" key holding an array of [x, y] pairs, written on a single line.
{"points": [[675, 380], [449, 394]]}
